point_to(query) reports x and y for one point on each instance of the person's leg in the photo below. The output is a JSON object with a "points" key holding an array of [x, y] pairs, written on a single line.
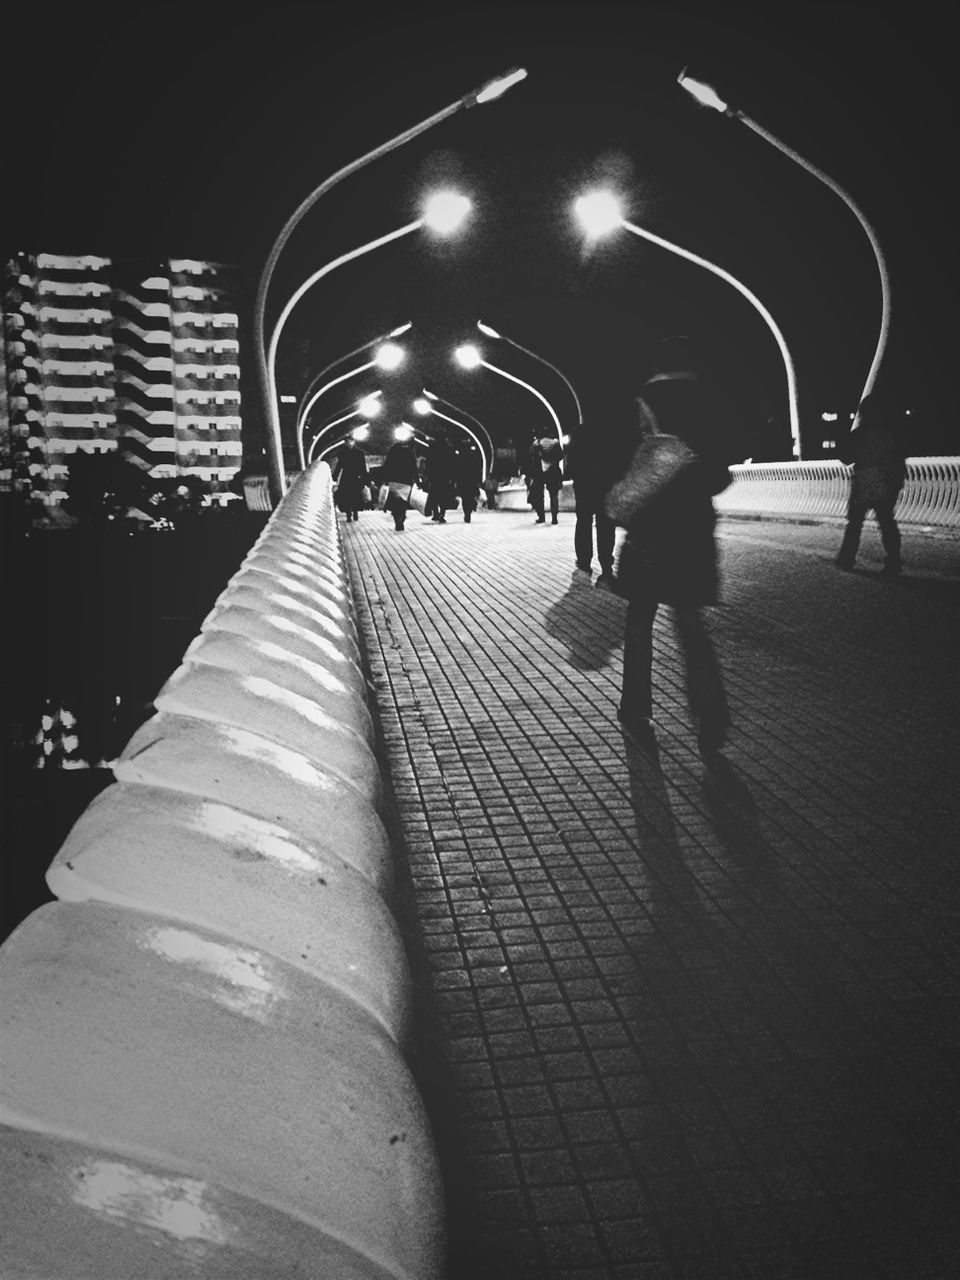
{"points": [[636, 697], [606, 541], [554, 504], [583, 532], [847, 554], [705, 691], [889, 535]]}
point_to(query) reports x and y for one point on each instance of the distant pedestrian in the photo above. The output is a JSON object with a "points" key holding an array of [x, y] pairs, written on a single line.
{"points": [[350, 473], [879, 470], [587, 466], [469, 470], [440, 476], [399, 472], [544, 476], [533, 475], [669, 555]]}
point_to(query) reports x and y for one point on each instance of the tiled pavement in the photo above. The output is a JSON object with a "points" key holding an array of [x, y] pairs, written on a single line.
{"points": [[678, 1022]]}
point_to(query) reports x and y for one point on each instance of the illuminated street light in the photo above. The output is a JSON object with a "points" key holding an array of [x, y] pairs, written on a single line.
{"points": [[369, 407], [362, 432], [502, 337], [461, 412], [348, 355], [492, 90], [600, 212], [468, 357], [403, 432], [424, 407], [387, 357], [708, 97]]}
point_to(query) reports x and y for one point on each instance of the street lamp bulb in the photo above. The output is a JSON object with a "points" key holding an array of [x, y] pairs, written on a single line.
{"points": [[403, 432], [430, 395], [485, 328], [468, 356], [370, 405], [422, 405], [494, 88], [706, 96], [445, 211], [389, 356], [395, 333], [361, 432], [599, 213]]}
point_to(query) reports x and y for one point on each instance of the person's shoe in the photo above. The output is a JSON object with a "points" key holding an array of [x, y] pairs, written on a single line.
{"points": [[584, 568], [605, 582], [466, 518], [640, 729], [553, 520], [540, 520]]}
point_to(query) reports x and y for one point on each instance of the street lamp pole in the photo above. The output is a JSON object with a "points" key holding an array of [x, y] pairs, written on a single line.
{"points": [[600, 212], [389, 356], [708, 97], [277, 479], [470, 358], [502, 337], [383, 337]]}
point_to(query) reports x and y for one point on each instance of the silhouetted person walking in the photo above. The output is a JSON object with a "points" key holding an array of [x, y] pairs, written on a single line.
{"points": [[440, 475], [468, 479], [400, 468], [587, 467], [879, 470], [350, 472], [669, 555]]}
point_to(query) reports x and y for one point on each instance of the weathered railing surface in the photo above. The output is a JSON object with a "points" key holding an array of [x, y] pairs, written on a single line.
{"points": [[930, 495], [201, 1040]]}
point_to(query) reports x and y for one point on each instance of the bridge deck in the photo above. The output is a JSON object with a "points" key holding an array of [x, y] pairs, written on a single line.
{"points": [[678, 1022]]}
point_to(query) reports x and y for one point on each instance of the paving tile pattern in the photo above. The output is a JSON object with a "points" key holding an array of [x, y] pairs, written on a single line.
{"points": [[677, 1021]]}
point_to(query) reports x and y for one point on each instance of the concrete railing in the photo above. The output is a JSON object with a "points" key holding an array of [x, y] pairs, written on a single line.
{"points": [[202, 1039], [930, 495]]}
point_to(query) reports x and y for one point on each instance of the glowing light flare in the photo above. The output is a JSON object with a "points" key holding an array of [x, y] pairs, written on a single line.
{"points": [[403, 432], [468, 356], [370, 405], [422, 405], [389, 356], [599, 213], [485, 328], [445, 211], [362, 432]]}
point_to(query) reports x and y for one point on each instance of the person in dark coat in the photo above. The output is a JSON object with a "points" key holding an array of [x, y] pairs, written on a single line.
{"points": [[533, 475], [441, 476], [399, 466], [669, 556], [469, 471], [879, 470], [350, 472], [551, 464], [586, 467]]}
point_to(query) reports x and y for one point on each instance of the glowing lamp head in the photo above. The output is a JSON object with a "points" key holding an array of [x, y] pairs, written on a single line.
{"points": [[389, 356], [403, 432], [598, 213], [468, 356], [706, 96], [422, 405], [370, 406], [445, 211], [485, 328], [360, 433], [494, 88]]}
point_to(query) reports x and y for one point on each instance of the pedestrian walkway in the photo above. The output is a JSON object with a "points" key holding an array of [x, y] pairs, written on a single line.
{"points": [[678, 1022]]}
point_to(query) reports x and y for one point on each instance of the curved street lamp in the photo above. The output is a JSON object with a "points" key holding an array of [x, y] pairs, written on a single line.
{"points": [[489, 92], [423, 406], [459, 409], [388, 357], [444, 212], [369, 407], [468, 357], [348, 355], [359, 433], [708, 97], [599, 213], [502, 337]]}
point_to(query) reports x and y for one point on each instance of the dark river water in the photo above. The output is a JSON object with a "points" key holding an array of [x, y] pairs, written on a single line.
{"points": [[94, 623]]}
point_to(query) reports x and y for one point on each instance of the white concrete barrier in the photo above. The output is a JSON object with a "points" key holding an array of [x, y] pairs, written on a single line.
{"points": [[201, 1066]]}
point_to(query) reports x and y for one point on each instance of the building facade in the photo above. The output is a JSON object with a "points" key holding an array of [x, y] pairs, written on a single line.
{"points": [[100, 354]]}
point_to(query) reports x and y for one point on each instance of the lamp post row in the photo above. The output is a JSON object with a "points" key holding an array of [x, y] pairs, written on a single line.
{"points": [[468, 356]]}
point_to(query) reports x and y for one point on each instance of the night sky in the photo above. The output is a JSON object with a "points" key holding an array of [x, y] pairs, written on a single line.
{"points": [[196, 130]]}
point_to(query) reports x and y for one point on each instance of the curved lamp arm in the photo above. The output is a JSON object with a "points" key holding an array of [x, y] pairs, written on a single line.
{"points": [[348, 355], [473, 435], [754, 301], [430, 395], [487, 93], [542, 398], [494, 333], [302, 421]]}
